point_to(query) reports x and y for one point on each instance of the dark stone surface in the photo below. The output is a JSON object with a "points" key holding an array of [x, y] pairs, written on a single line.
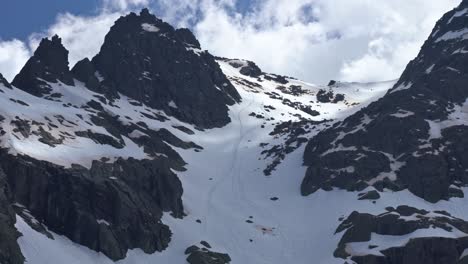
{"points": [[85, 72], [251, 69], [392, 137], [185, 35], [358, 227], [191, 249], [47, 138], [370, 195], [324, 96], [31, 220], [433, 250], [205, 256], [4, 82], [154, 68], [184, 129], [49, 63], [247, 68], [206, 244], [294, 133], [10, 252], [100, 138], [158, 67], [110, 208], [276, 78], [154, 142]]}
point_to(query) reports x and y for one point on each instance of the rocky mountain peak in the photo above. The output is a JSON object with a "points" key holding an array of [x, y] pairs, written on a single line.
{"points": [[148, 60], [53, 46], [4, 81], [410, 138], [441, 59], [48, 64]]}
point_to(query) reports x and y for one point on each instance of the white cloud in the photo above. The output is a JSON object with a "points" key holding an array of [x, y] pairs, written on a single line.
{"points": [[318, 40], [82, 36], [13, 55], [122, 5], [315, 40]]}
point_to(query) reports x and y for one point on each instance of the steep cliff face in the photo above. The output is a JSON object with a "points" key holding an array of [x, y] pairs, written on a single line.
{"points": [[10, 252], [109, 208], [148, 60], [414, 137], [49, 64]]}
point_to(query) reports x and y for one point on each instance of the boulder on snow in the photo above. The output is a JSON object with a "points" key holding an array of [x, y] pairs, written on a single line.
{"points": [[205, 256], [402, 221]]}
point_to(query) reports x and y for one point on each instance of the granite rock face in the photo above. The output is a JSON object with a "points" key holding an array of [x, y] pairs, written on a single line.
{"points": [[148, 60], [49, 64], [205, 255], [414, 137], [110, 208], [10, 252], [4, 81], [405, 222]]}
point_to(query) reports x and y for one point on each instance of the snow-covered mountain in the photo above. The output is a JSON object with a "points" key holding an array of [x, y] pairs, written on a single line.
{"points": [[155, 151]]}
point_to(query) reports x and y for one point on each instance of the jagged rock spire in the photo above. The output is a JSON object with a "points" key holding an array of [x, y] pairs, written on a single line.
{"points": [[48, 64], [148, 60], [4, 81]]}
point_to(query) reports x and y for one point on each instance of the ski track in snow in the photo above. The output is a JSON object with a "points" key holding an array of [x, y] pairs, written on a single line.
{"points": [[293, 229]]}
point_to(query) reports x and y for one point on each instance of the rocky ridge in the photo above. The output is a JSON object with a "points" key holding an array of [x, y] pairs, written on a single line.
{"points": [[413, 137]]}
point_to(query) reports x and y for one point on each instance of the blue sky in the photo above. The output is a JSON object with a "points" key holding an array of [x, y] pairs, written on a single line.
{"points": [[314, 40], [20, 18]]}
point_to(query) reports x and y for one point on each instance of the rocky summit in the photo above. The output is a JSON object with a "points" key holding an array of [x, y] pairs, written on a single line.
{"points": [[148, 60], [156, 151], [414, 137]]}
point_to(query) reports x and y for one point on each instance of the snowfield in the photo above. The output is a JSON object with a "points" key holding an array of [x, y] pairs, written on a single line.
{"points": [[228, 199]]}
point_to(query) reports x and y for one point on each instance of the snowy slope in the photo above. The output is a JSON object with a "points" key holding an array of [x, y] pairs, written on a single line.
{"points": [[253, 217], [69, 114], [93, 176]]}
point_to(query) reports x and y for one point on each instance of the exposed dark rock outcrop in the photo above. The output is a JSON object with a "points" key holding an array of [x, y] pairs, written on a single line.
{"points": [[85, 72], [402, 221], [295, 133], [49, 64], [4, 81], [430, 250], [329, 96], [414, 137], [148, 60], [10, 252], [370, 195], [110, 208], [198, 255], [249, 68]]}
